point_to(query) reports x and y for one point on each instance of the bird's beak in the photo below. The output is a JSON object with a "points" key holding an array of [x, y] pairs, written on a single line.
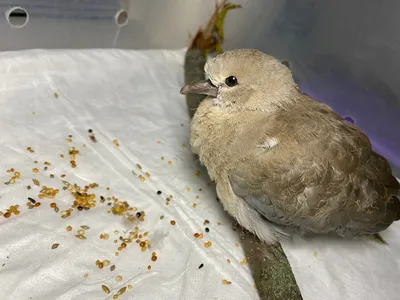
{"points": [[204, 87]]}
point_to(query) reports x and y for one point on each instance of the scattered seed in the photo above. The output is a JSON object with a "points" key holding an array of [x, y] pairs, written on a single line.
{"points": [[207, 244], [86, 275], [170, 162], [228, 260], [55, 246], [226, 282], [81, 237], [161, 217], [121, 291], [69, 228], [154, 258], [33, 201], [159, 192], [118, 278], [244, 261], [85, 227], [202, 265], [207, 229], [36, 182], [55, 95], [173, 222], [149, 267], [129, 286], [106, 289], [112, 268]]}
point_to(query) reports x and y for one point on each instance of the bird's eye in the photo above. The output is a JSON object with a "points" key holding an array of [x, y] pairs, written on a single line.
{"points": [[231, 81]]}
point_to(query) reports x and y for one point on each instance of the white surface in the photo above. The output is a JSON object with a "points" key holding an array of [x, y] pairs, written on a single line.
{"points": [[134, 97]]}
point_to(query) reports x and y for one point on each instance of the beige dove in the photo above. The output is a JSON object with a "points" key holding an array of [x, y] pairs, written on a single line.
{"points": [[282, 160]]}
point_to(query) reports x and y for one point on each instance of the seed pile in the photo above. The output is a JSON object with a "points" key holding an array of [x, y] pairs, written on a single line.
{"points": [[84, 198]]}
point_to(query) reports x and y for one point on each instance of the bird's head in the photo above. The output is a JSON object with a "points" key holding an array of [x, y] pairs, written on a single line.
{"points": [[243, 80]]}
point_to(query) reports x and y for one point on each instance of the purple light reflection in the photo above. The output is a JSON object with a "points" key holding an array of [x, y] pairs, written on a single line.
{"points": [[377, 146]]}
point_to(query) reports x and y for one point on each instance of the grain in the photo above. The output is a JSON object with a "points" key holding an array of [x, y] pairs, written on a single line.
{"points": [[121, 291], [55, 246], [106, 289], [118, 278], [207, 244]]}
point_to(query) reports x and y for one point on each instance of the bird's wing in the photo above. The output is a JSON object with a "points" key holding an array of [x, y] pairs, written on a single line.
{"points": [[321, 175]]}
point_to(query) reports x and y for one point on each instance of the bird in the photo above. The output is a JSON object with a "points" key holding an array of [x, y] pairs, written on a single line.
{"points": [[283, 162]]}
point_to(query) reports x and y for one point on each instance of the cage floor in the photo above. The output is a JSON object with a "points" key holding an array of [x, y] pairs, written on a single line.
{"points": [[145, 235]]}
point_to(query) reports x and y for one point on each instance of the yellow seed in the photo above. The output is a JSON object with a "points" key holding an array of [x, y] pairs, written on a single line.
{"points": [[207, 244], [118, 278], [121, 291], [36, 182], [106, 263], [226, 282], [81, 231], [69, 228], [129, 286], [81, 237], [228, 260], [170, 162], [236, 245], [194, 205], [244, 261], [188, 189], [85, 227], [106, 289], [86, 275], [149, 267]]}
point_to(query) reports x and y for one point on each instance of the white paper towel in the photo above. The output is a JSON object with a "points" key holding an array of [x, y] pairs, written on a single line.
{"points": [[131, 98]]}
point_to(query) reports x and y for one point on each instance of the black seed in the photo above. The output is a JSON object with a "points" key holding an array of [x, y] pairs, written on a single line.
{"points": [[102, 198], [90, 130], [70, 136], [138, 214], [202, 265], [207, 229], [159, 192], [51, 176], [32, 200], [109, 203], [80, 207]]}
